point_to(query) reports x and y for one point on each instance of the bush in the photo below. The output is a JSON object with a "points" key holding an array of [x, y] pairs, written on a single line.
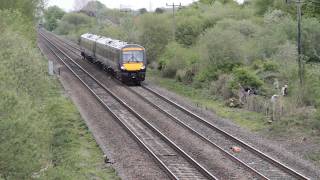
{"points": [[221, 86], [246, 78], [188, 29], [39, 127], [177, 58], [270, 66], [52, 15], [221, 49], [155, 33], [207, 74], [74, 24], [311, 39]]}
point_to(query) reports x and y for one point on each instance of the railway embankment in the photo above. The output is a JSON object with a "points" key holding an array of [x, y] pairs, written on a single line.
{"points": [[42, 134]]}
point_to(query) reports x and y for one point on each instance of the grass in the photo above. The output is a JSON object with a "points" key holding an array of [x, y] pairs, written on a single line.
{"points": [[250, 120], [42, 134]]}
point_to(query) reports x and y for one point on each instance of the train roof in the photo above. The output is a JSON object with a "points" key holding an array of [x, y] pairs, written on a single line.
{"points": [[105, 41]]}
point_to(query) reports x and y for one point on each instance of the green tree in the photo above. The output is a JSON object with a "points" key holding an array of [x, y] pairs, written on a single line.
{"points": [[28, 8], [159, 10], [312, 9], [143, 11], [188, 29], [262, 6], [52, 15], [209, 2], [155, 32]]}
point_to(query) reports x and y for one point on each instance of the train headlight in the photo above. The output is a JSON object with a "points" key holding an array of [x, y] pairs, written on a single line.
{"points": [[143, 67], [122, 67]]}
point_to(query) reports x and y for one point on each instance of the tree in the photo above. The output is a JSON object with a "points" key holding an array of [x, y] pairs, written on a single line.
{"points": [[159, 10], [143, 11], [26, 7], [312, 9], [263, 6], [209, 2], [79, 4], [155, 33], [52, 15], [188, 30]]}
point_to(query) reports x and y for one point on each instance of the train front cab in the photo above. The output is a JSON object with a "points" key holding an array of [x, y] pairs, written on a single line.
{"points": [[133, 64]]}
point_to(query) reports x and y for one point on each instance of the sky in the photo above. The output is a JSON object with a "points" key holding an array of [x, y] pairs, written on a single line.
{"points": [[134, 4], [68, 5]]}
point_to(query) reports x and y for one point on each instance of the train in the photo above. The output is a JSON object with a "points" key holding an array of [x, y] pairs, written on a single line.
{"points": [[124, 60]]}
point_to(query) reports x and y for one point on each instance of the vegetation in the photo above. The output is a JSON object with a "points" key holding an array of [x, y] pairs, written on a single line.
{"points": [[52, 15], [220, 46], [42, 134]]}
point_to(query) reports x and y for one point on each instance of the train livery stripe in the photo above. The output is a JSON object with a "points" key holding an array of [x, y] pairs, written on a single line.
{"points": [[133, 66], [132, 49]]}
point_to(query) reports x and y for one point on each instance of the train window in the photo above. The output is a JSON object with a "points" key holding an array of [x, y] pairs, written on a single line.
{"points": [[132, 56]]}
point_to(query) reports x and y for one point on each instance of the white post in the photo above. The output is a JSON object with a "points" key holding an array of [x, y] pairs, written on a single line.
{"points": [[50, 68]]}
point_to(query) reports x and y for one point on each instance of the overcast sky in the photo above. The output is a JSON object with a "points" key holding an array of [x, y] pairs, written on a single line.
{"points": [[134, 4]]}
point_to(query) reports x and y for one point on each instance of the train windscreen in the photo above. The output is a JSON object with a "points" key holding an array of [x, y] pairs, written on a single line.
{"points": [[132, 56]]}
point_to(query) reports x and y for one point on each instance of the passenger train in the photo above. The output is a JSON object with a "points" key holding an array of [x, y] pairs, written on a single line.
{"points": [[126, 61]]}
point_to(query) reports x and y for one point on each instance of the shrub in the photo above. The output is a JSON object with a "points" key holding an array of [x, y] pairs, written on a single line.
{"points": [[177, 58], [246, 78], [51, 16], [74, 24], [311, 39], [155, 33], [221, 49], [270, 66], [188, 29], [221, 86], [207, 74]]}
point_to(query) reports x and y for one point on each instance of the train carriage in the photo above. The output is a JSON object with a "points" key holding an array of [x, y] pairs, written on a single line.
{"points": [[126, 61]]}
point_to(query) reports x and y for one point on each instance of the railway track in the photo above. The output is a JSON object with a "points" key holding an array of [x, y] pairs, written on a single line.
{"points": [[255, 161], [177, 163]]}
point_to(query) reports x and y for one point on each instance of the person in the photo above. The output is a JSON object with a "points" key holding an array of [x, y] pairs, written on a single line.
{"points": [[284, 90], [242, 95]]}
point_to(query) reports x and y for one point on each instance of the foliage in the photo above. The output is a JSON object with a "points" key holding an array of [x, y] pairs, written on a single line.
{"points": [[155, 33], [312, 9], [28, 8], [39, 128], [159, 10], [312, 86], [262, 6], [74, 24], [246, 78], [221, 49], [311, 39], [188, 29], [18, 22], [178, 58], [209, 2], [52, 15], [143, 10]]}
